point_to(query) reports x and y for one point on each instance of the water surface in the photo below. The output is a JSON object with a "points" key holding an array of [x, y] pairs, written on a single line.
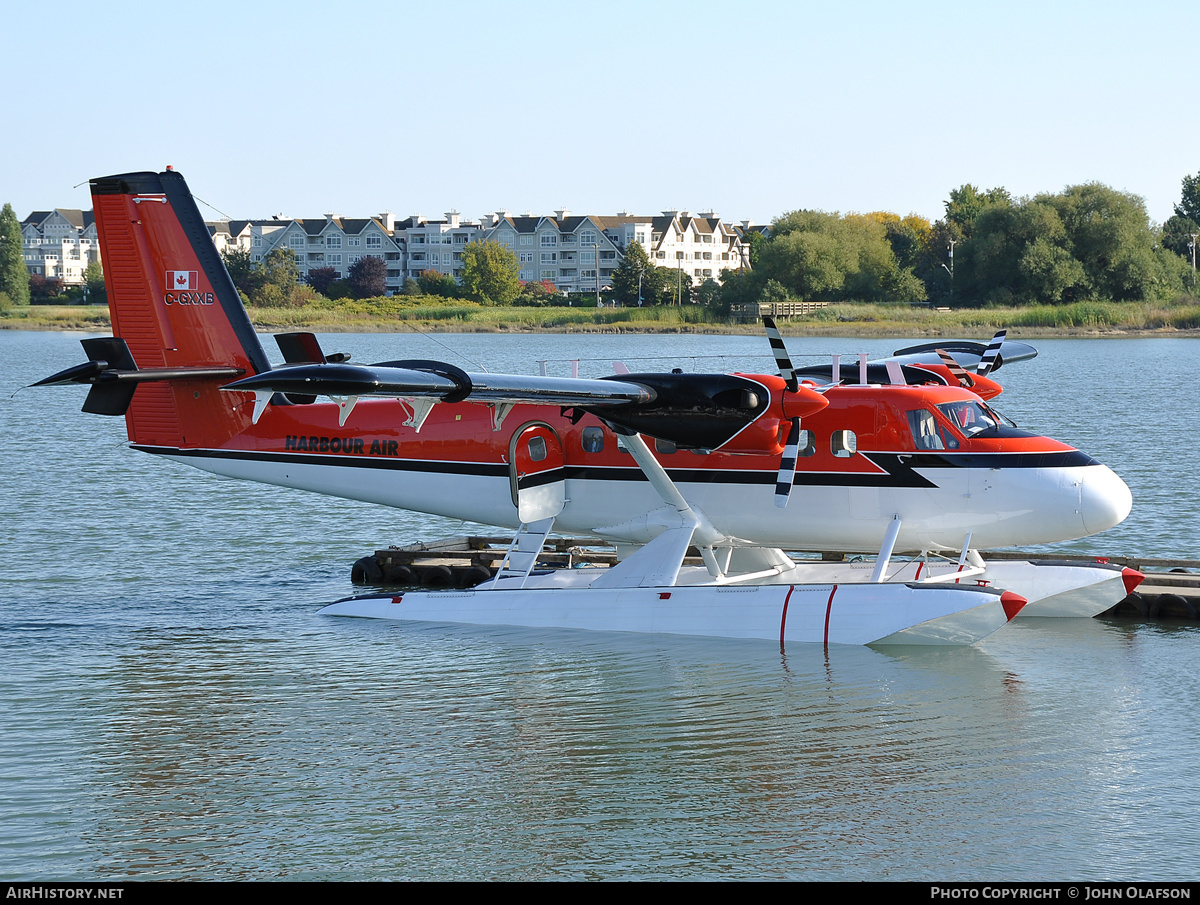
{"points": [[173, 707]]}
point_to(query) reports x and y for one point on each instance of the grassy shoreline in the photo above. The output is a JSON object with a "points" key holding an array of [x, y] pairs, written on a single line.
{"points": [[1085, 319]]}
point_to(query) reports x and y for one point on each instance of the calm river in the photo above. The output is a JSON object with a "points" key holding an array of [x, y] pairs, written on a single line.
{"points": [[172, 708]]}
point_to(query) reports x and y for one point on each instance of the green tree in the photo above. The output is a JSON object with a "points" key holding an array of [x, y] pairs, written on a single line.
{"points": [[247, 275], [491, 273], [934, 261], [1179, 229], [756, 240], [93, 283], [629, 276], [433, 282], [1177, 235], [708, 294], [738, 287], [1088, 241], [967, 203], [819, 256], [1189, 200], [14, 277], [908, 236], [1110, 235], [277, 282], [660, 286], [281, 270]]}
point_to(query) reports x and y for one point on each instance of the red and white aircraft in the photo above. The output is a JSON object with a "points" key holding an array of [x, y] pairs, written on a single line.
{"points": [[739, 466]]}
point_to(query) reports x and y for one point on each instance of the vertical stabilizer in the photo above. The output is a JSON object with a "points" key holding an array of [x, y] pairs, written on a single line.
{"points": [[173, 303]]}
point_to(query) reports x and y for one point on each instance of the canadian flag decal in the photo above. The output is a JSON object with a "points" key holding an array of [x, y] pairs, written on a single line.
{"points": [[179, 280]]}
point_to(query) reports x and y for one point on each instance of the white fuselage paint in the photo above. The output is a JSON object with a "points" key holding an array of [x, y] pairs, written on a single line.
{"points": [[998, 507]]}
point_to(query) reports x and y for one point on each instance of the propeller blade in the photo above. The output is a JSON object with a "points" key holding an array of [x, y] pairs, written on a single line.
{"points": [[786, 371], [961, 374], [991, 354], [787, 465]]}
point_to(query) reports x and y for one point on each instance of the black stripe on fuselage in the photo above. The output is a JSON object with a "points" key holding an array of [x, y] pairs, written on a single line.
{"points": [[896, 469], [1061, 459]]}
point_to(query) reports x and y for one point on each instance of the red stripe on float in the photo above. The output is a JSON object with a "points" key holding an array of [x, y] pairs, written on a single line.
{"points": [[783, 617], [828, 610]]}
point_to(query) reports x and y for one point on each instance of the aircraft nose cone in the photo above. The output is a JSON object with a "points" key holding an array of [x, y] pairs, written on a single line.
{"points": [[1104, 501]]}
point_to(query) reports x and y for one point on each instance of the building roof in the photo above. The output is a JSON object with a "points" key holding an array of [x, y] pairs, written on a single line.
{"points": [[77, 218]]}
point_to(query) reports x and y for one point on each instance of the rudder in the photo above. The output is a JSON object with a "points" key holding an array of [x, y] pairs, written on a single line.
{"points": [[174, 304]]}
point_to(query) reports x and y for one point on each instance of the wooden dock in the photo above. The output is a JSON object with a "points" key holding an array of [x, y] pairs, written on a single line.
{"points": [[780, 311], [1171, 589]]}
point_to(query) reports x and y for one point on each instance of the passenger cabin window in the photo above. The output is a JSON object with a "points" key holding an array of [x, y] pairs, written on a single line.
{"points": [[843, 444], [969, 417], [593, 439], [806, 445], [664, 447], [537, 449], [924, 429]]}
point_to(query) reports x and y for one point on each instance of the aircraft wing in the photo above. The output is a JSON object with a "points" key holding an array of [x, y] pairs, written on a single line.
{"points": [[975, 357], [967, 353], [441, 382], [702, 411]]}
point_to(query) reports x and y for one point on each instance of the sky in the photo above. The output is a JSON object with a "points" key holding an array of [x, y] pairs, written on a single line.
{"points": [[750, 110]]}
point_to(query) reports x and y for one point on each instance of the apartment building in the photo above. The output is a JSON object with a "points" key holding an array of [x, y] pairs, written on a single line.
{"points": [[700, 245], [331, 241], [571, 251], [59, 244], [435, 245], [576, 253]]}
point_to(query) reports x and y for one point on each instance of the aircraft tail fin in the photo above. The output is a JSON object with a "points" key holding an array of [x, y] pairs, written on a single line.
{"points": [[174, 306]]}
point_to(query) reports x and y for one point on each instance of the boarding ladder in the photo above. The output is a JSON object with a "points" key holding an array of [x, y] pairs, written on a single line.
{"points": [[524, 550]]}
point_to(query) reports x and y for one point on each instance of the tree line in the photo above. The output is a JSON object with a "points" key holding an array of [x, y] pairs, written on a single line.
{"points": [[1086, 242]]}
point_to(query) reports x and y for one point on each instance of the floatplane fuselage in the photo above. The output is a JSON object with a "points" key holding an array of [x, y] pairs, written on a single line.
{"points": [[858, 469], [909, 457]]}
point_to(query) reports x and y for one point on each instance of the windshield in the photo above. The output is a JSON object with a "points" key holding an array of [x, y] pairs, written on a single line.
{"points": [[970, 418]]}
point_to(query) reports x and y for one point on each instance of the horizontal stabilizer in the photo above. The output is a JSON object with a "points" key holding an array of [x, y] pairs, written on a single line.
{"points": [[114, 375], [303, 348]]}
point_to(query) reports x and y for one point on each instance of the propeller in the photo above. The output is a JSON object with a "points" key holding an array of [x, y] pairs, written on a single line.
{"points": [[991, 355], [960, 373], [782, 359], [787, 462], [787, 465]]}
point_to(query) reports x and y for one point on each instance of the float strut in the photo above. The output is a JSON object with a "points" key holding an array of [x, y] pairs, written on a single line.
{"points": [[885, 550]]}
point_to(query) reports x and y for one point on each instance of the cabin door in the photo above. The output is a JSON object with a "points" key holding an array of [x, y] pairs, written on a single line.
{"points": [[535, 472]]}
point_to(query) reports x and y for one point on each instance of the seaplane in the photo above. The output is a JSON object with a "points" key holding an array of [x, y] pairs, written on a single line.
{"points": [[733, 469]]}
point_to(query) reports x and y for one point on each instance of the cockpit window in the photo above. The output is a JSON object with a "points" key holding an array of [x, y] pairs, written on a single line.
{"points": [[924, 429], [969, 417]]}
